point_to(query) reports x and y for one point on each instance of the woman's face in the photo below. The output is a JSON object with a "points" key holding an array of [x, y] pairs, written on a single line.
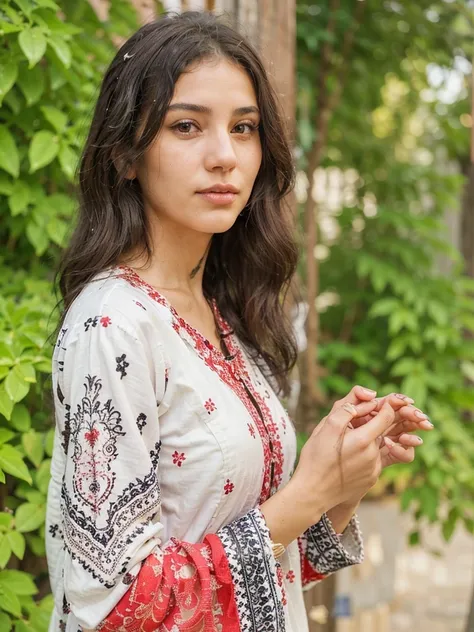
{"points": [[209, 137]]}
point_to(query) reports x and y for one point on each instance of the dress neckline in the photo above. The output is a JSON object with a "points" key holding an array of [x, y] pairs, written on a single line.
{"points": [[225, 331]]}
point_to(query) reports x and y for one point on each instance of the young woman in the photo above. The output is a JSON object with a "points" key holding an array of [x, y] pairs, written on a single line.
{"points": [[173, 505]]}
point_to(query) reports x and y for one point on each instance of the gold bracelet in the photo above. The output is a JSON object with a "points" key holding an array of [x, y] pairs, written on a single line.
{"points": [[277, 549]]}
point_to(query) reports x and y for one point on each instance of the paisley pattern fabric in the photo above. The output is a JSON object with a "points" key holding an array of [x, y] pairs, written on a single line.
{"points": [[164, 448]]}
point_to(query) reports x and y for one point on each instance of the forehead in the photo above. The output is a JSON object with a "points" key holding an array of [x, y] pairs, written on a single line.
{"points": [[215, 82]]}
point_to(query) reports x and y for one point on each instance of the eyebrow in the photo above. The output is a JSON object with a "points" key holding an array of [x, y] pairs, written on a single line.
{"points": [[193, 107]]}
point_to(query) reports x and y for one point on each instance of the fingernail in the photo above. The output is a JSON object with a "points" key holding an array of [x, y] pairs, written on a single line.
{"points": [[409, 400], [428, 423], [419, 439], [389, 442], [420, 415], [369, 391]]}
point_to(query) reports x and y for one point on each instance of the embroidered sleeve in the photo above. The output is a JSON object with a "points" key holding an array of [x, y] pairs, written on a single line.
{"points": [[118, 573], [323, 552]]}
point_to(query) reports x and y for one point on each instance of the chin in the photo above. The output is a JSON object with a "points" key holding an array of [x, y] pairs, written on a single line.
{"points": [[219, 222]]}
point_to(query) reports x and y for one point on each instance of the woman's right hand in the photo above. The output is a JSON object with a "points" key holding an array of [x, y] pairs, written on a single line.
{"points": [[337, 463]]}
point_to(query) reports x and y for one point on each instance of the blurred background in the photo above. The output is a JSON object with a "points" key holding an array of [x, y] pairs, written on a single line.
{"points": [[378, 101]]}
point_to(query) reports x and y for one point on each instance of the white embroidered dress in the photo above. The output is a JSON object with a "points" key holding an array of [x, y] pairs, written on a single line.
{"points": [[164, 449]]}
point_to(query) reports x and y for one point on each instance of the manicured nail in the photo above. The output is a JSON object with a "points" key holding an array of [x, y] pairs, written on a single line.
{"points": [[420, 415], [409, 400], [428, 423], [389, 442], [419, 439], [369, 391]]}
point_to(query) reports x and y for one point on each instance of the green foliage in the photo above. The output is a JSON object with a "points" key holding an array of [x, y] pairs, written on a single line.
{"points": [[396, 323], [51, 62]]}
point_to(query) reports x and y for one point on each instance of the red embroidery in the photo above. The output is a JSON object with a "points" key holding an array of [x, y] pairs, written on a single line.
{"points": [[228, 487], [210, 406], [92, 436], [279, 573], [232, 372], [187, 588], [251, 430], [140, 305], [308, 573], [105, 321], [290, 576], [178, 458]]}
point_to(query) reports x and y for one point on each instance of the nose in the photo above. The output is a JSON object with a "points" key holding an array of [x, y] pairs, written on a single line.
{"points": [[220, 152]]}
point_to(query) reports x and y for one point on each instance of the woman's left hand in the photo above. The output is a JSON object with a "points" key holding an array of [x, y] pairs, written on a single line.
{"points": [[397, 445]]}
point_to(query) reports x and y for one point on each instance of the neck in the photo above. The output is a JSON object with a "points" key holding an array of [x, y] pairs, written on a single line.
{"points": [[177, 260]]}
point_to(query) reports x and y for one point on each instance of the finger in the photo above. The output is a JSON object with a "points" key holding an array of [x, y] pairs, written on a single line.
{"points": [[344, 415], [409, 440], [412, 413], [398, 453], [396, 401], [356, 395], [378, 424]]}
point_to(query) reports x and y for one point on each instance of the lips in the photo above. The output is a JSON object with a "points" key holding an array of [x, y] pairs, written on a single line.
{"points": [[220, 188]]}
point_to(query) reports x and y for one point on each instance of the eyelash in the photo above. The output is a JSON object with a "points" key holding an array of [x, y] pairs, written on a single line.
{"points": [[252, 126]]}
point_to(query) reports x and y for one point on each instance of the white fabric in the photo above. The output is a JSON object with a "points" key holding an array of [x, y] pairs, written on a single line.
{"points": [[174, 420]]}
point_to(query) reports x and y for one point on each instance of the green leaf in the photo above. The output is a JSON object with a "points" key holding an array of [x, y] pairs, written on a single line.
{"points": [[61, 49], [8, 76], [17, 543], [20, 419], [26, 6], [6, 403], [11, 462], [54, 116], [37, 237], [6, 520], [20, 197], [33, 44], [6, 435], [19, 582], [5, 551], [9, 601], [6, 185], [29, 517], [24, 626], [68, 160], [49, 442], [57, 231], [32, 443], [15, 384], [43, 476], [414, 538], [43, 149], [5, 622], [9, 157], [31, 83], [48, 3]]}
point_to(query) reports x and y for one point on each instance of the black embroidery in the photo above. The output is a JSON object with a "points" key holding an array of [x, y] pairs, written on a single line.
{"points": [[53, 529], [253, 570], [122, 365], [155, 454], [66, 606], [66, 433], [128, 579], [59, 393], [141, 421], [91, 322], [94, 429]]}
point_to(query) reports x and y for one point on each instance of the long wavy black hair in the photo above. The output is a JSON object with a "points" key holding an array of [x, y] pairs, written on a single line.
{"points": [[250, 266]]}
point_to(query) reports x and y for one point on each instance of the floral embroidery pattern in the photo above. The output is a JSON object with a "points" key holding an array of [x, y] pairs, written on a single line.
{"points": [[251, 430], [210, 406], [140, 305], [122, 364], [94, 432], [141, 421], [105, 321], [228, 487], [290, 576], [178, 458]]}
